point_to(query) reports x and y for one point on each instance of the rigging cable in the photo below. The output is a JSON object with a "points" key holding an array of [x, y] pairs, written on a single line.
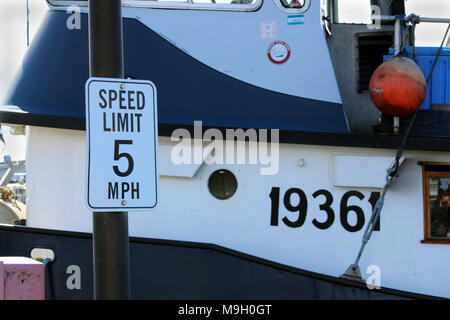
{"points": [[353, 271]]}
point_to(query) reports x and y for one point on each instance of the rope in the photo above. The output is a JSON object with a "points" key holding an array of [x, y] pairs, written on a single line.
{"points": [[7, 194]]}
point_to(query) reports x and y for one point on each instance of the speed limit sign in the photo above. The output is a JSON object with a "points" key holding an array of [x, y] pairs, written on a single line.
{"points": [[122, 144]]}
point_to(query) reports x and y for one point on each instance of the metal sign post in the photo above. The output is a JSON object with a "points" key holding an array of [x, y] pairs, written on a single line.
{"points": [[110, 229]]}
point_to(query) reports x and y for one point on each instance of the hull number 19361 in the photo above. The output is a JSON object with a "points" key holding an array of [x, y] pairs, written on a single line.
{"points": [[300, 207]]}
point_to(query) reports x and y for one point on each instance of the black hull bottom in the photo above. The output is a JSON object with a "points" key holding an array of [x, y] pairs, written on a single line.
{"points": [[176, 270]]}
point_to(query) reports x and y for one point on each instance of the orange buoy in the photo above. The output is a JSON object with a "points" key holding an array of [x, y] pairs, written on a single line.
{"points": [[398, 87]]}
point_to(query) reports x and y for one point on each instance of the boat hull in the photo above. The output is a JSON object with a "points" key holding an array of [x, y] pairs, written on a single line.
{"points": [[308, 212], [178, 270]]}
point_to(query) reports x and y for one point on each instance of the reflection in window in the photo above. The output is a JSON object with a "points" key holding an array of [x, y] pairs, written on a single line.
{"points": [[293, 3], [436, 197], [439, 207], [225, 1], [139, 2]]}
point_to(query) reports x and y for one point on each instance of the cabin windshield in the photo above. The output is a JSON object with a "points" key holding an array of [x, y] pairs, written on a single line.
{"points": [[150, 2]]}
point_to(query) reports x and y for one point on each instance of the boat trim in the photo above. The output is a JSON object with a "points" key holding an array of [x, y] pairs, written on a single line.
{"points": [[385, 141]]}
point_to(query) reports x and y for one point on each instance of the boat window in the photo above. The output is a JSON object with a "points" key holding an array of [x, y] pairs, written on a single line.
{"points": [[213, 2], [436, 188], [225, 1], [293, 3], [293, 6], [222, 184], [229, 5]]}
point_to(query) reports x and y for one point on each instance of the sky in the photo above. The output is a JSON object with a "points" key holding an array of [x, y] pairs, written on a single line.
{"points": [[13, 39]]}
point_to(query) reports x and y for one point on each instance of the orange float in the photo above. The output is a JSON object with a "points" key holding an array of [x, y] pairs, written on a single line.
{"points": [[398, 87]]}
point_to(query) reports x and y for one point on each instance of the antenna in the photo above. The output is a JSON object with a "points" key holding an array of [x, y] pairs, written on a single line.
{"points": [[28, 25]]}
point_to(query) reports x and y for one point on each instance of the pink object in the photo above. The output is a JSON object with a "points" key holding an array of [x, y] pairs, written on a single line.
{"points": [[21, 278]]}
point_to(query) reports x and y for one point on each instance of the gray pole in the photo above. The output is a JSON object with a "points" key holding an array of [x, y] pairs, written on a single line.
{"points": [[110, 229]]}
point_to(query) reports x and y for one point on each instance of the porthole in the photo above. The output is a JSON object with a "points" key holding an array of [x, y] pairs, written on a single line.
{"points": [[222, 184]]}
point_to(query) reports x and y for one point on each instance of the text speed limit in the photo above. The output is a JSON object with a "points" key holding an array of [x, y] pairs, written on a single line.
{"points": [[122, 138]]}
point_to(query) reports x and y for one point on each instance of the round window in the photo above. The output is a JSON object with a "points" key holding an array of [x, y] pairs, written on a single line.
{"points": [[222, 184]]}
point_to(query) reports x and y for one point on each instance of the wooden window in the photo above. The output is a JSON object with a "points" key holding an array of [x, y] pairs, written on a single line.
{"points": [[436, 200]]}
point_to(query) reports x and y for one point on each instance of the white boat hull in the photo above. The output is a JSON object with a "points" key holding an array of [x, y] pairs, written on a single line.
{"points": [[187, 211]]}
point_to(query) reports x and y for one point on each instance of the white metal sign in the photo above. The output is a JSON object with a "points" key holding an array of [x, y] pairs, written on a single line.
{"points": [[122, 144]]}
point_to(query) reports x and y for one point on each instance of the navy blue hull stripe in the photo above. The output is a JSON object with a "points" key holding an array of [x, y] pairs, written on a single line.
{"points": [[167, 269], [56, 69]]}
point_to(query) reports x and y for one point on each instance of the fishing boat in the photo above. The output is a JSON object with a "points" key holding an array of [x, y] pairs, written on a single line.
{"points": [[323, 175]]}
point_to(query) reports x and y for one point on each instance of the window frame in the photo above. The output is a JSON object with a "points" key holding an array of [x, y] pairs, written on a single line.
{"points": [[293, 10], [426, 174], [188, 5]]}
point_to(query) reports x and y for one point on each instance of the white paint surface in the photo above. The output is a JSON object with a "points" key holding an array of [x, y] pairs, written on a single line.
{"points": [[183, 170], [360, 171]]}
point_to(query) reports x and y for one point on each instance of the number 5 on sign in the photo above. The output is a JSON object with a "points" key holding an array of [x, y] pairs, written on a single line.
{"points": [[122, 145]]}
